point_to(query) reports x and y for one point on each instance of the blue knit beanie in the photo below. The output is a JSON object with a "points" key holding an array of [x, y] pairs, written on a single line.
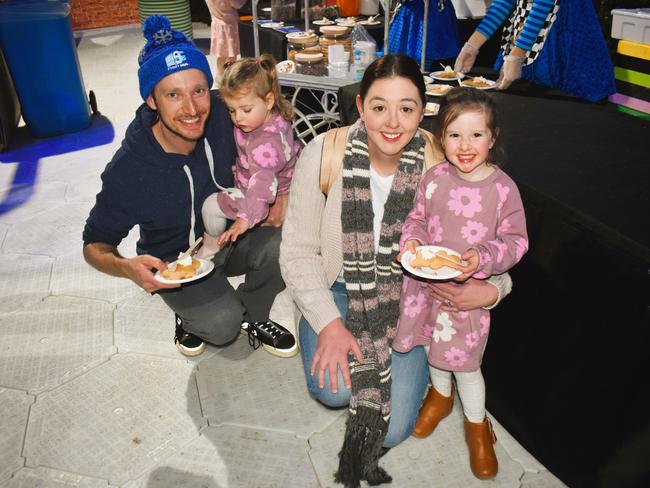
{"points": [[165, 52]]}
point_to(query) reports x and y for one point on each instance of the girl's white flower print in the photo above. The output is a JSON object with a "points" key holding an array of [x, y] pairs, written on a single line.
{"points": [[430, 190], [444, 328], [274, 186], [485, 324]]}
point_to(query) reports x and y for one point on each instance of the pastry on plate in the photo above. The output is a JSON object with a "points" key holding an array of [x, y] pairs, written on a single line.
{"points": [[479, 82], [438, 90], [431, 109], [437, 261], [183, 269], [447, 73]]}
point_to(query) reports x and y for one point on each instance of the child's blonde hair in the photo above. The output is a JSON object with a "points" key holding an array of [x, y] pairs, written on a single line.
{"points": [[463, 99], [259, 76]]}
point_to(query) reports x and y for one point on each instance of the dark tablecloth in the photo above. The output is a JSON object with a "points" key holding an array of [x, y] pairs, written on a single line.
{"points": [[275, 43], [567, 361]]}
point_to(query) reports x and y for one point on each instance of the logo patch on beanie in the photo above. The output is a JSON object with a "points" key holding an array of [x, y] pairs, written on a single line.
{"points": [[175, 60]]}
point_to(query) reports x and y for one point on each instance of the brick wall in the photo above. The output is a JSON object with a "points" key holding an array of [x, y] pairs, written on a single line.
{"points": [[90, 14]]}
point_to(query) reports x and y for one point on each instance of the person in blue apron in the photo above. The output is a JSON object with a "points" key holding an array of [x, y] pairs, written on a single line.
{"points": [[555, 43], [405, 35]]}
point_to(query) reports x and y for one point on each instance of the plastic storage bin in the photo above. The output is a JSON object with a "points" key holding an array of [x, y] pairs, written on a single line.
{"points": [[631, 24], [36, 38]]}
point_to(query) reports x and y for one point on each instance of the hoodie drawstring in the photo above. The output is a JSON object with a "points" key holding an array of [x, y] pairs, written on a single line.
{"points": [[188, 173], [208, 155]]}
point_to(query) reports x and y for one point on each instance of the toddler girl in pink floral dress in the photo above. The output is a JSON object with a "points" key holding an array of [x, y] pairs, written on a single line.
{"points": [[266, 151], [470, 205]]}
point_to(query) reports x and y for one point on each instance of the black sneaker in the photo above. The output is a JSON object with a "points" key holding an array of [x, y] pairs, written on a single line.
{"points": [[274, 338], [188, 344]]}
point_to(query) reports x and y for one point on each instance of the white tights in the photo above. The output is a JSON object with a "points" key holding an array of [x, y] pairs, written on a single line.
{"points": [[215, 222], [471, 390]]}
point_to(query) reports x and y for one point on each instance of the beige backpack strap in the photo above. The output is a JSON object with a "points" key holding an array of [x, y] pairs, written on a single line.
{"points": [[432, 152], [332, 156]]}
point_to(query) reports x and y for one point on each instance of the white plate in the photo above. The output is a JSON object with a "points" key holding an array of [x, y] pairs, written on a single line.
{"points": [[427, 80], [286, 66], [272, 25], [347, 21], [323, 22], [436, 76], [366, 22], [431, 109], [491, 84], [445, 89], [444, 273], [205, 267]]}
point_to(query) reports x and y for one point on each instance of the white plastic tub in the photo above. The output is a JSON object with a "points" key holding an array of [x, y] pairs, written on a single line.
{"points": [[631, 24]]}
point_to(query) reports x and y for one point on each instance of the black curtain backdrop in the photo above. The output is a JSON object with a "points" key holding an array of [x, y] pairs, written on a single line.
{"points": [[567, 360]]}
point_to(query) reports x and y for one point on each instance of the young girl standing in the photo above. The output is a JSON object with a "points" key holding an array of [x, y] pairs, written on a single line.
{"points": [[470, 205], [265, 147]]}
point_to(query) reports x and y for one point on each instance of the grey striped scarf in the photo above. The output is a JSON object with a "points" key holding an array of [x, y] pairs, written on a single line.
{"points": [[373, 285]]}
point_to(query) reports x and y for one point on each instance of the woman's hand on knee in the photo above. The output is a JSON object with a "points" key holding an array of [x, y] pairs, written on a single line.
{"points": [[334, 343]]}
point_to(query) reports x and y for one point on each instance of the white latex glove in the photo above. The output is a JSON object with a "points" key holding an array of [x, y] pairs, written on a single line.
{"points": [[510, 71], [466, 58]]}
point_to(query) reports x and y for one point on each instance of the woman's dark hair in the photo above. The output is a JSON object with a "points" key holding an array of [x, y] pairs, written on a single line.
{"points": [[390, 66], [463, 99]]}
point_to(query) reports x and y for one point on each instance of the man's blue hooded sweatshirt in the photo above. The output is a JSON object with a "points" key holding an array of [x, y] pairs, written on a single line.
{"points": [[161, 192]]}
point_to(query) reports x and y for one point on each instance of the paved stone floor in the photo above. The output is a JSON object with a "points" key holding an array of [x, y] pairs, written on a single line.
{"points": [[94, 394]]}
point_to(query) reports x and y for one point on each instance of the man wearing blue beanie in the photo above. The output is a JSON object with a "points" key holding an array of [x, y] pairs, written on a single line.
{"points": [[178, 150]]}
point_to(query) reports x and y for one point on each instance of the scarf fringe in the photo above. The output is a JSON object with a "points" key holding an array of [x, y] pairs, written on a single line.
{"points": [[362, 448]]}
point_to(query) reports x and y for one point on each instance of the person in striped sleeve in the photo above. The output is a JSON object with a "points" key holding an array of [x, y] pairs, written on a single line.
{"points": [[555, 43]]}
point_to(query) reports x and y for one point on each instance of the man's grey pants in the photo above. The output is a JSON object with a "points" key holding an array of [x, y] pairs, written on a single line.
{"points": [[211, 308]]}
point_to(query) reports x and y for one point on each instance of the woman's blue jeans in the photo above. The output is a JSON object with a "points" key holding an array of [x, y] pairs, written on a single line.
{"points": [[409, 375]]}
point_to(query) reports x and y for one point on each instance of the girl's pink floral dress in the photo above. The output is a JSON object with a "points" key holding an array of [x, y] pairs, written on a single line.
{"points": [[266, 157], [486, 215]]}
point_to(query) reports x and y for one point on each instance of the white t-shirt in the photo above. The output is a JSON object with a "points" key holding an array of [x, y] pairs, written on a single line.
{"points": [[379, 188]]}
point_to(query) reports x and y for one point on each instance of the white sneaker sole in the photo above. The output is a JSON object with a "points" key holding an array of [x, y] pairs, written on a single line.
{"points": [[282, 353], [190, 352]]}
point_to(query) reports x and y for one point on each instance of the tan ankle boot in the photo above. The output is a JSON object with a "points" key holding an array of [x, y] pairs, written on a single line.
{"points": [[482, 458], [434, 408]]}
